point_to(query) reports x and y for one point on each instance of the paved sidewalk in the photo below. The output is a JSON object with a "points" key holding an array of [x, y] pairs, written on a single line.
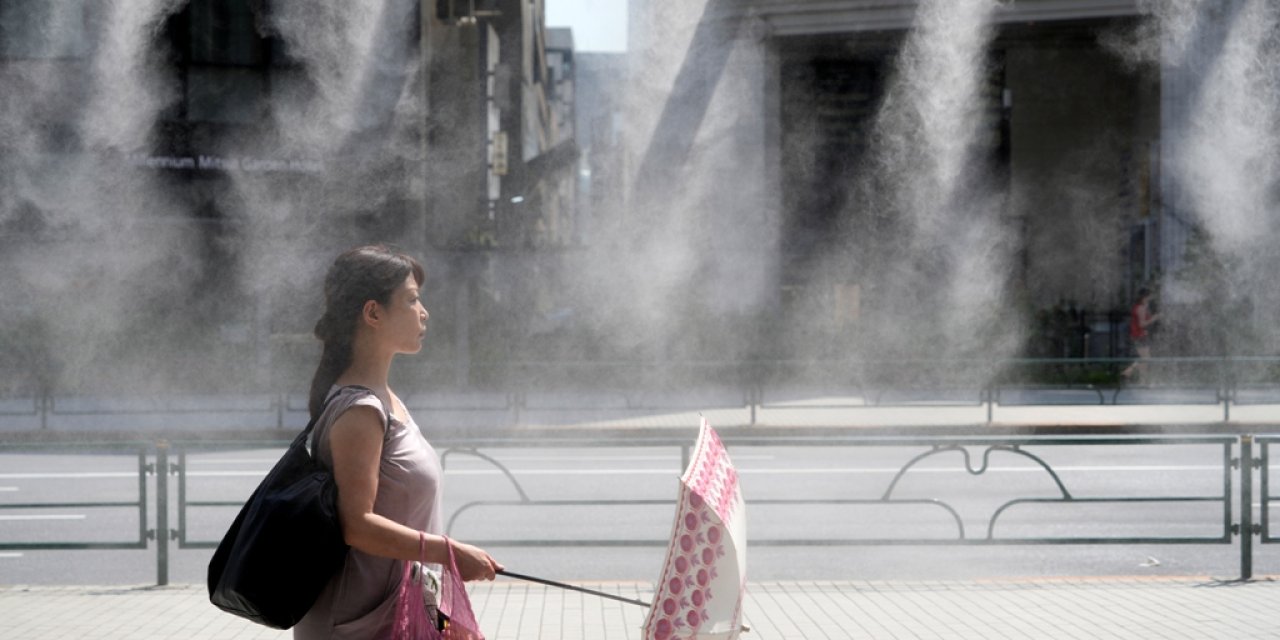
{"points": [[1048, 608]]}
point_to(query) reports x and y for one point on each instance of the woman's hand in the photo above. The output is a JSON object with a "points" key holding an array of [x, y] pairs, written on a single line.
{"points": [[473, 562]]}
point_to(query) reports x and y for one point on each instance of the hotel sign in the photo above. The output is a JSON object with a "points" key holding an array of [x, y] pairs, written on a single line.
{"points": [[203, 162]]}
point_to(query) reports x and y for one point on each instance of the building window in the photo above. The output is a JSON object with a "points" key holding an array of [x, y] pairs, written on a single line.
{"points": [[225, 33], [225, 94], [226, 58]]}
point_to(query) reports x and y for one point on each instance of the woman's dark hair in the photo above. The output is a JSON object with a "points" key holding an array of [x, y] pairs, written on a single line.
{"points": [[365, 273]]}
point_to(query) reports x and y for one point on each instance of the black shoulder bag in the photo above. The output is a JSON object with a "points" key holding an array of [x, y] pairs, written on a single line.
{"points": [[285, 544]]}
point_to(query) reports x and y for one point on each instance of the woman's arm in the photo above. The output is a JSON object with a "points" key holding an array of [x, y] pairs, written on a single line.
{"points": [[356, 442], [1147, 318]]}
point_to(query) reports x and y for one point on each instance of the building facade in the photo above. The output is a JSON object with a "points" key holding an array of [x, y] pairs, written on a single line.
{"points": [[760, 179], [1086, 121], [234, 146]]}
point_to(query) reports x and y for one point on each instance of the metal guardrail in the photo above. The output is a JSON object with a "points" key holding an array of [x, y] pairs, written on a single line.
{"points": [[1227, 526], [144, 469], [518, 388], [934, 446], [1266, 498]]}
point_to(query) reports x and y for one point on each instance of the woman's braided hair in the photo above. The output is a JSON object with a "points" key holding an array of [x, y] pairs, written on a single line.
{"points": [[365, 273]]}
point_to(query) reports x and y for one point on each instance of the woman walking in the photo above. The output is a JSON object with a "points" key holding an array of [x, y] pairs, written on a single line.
{"points": [[1140, 321], [388, 476]]}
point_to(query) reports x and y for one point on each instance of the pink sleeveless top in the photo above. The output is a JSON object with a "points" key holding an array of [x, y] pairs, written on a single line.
{"points": [[360, 600]]}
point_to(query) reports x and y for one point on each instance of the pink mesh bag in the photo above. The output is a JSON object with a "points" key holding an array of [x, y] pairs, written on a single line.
{"points": [[455, 605], [414, 622]]}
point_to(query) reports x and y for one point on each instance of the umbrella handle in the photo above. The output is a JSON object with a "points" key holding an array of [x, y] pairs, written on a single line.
{"points": [[553, 583]]}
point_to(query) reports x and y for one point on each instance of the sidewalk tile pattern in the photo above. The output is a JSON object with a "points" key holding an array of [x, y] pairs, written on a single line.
{"points": [[1065, 608]]}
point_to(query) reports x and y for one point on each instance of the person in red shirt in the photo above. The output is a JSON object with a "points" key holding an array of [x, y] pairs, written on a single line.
{"points": [[1140, 320]]}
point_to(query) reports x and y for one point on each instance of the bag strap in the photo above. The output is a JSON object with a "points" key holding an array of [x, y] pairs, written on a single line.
{"points": [[311, 424], [452, 567]]}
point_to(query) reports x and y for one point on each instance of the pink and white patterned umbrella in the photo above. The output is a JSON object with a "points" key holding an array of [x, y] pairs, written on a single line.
{"points": [[704, 578]]}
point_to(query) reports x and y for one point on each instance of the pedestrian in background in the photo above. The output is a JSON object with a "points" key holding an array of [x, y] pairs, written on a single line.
{"points": [[1141, 319], [388, 475]]}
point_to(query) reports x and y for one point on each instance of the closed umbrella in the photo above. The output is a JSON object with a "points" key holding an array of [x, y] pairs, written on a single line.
{"points": [[704, 578]]}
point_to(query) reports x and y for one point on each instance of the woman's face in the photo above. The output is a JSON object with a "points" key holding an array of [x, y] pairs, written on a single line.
{"points": [[406, 317]]}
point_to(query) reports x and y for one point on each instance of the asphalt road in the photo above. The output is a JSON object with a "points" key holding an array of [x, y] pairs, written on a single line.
{"points": [[770, 477]]}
